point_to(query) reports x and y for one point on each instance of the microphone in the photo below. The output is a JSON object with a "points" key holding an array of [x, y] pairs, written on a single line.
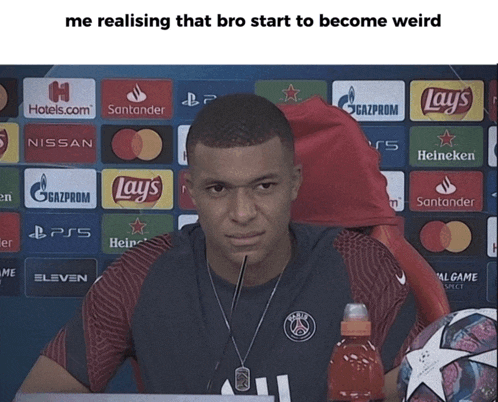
{"points": [[235, 299]]}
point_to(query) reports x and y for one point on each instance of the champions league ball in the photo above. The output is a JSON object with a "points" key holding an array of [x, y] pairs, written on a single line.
{"points": [[452, 360]]}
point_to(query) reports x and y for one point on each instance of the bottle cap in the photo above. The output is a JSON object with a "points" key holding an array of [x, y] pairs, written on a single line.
{"points": [[356, 321], [355, 312]]}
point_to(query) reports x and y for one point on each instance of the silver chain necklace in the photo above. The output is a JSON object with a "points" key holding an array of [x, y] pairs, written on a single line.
{"points": [[242, 373]]}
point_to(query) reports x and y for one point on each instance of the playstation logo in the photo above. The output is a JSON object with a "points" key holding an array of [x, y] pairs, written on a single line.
{"points": [[191, 100], [38, 233]]}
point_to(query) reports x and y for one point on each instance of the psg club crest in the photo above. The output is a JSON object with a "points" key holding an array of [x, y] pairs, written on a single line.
{"points": [[299, 326]]}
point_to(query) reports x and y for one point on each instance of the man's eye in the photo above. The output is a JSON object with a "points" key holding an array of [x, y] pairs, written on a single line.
{"points": [[216, 189], [265, 186]]}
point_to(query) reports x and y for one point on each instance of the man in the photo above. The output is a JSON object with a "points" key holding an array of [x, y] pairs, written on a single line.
{"points": [[168, 303]]}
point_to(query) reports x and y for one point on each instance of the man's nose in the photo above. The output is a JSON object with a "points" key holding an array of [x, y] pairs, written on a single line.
{"points": [[243, 207]]}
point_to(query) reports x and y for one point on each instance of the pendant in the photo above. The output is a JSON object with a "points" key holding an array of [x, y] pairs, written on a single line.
{"points": [[242, 379]]}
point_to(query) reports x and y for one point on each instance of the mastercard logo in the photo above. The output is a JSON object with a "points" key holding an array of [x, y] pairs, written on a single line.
{"points": [[4, 98], [437, 236], [129, 144]]}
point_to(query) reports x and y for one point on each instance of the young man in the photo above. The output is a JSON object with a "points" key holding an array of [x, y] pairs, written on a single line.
{"points": [[168, 302]]}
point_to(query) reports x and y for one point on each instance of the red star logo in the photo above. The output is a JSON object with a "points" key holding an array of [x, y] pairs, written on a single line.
{"points": [[137, 227], [446, 139], [291, 93]]}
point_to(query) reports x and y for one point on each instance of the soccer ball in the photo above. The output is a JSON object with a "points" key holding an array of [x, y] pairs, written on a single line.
{"points": [[452, 360]]}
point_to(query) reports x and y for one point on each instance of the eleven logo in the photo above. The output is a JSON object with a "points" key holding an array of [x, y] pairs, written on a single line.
{"points": [[54, 277], [442, 191], [446, 100], [284, 91], [441, 146], [9, 143], [137, 189], [371, 100], [136, 99]]}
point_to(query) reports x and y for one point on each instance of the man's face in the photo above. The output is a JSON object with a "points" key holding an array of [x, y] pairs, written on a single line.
{"points": [[243, 197]]}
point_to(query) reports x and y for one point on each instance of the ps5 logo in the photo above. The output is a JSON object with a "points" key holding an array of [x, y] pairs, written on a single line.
{"points": [[386, 145], [192, 99], [39, 233]]}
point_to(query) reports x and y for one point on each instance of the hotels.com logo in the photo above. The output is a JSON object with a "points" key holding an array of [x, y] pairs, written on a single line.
{"points": [[138, 190], [447, 101], [57, 92], [56, 98]]}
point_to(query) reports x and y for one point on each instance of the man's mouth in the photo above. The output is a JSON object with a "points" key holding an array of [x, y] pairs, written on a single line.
{"points": [[245, 239]]}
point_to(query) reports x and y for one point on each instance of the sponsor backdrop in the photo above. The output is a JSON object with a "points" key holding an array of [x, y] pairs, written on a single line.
{"points": [[92, 162]]}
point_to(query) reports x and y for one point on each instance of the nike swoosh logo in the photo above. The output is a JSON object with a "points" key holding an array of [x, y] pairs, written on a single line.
{"points": [[401, 279]]}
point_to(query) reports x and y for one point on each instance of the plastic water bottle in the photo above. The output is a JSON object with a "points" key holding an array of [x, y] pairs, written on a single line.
{"points": [[355, 370]]}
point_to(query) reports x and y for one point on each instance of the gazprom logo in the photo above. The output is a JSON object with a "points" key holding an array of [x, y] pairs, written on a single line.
{"points": [[39, 194], [38, 190], [349, 98], [60, 188], [371, 100], [366, 109]]}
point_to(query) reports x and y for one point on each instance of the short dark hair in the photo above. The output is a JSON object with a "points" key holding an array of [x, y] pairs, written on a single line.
{"points": [[239, 120]]}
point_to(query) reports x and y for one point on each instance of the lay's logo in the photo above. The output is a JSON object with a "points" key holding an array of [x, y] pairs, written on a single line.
{"points": [[447, 100], [137, 189], [126, 188]]}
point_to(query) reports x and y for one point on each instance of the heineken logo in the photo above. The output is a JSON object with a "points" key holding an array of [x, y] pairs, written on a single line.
{"points": [[446, 146]]}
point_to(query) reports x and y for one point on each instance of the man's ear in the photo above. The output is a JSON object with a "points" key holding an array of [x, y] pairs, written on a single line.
{"points": [[190, 186], [297, 179]]}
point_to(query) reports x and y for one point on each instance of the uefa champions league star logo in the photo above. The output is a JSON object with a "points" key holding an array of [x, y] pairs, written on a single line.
{"points": [[427, 363], [299, 326]]}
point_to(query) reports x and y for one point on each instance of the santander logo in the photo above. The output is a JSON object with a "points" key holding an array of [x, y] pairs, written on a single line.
{"points": [[446, 187], [446, 101], [136, 95], [137, 190]]}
